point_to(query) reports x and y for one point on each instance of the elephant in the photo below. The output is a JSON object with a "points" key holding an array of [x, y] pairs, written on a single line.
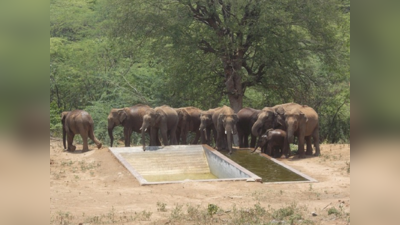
{"points": [[302, 122], [78, 122], [246, 118], [207, 125], [163, 118], [131, 118], [267, 118], [273, 142], [189, 121], [225, 120]]}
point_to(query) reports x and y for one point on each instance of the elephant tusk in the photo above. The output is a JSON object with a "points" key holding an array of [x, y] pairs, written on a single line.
{"points": [[140, 128], [145, 130], [225, 131], [232, 132]]}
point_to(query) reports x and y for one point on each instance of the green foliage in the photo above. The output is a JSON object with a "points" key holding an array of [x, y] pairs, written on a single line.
{"points": [[334, 211], [116, 54], [55, 120], [282, 213], [212, 209]]}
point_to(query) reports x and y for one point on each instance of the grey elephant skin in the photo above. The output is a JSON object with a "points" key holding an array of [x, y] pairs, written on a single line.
{"points": [[207, 125], [78, 122], [246, 118], [225, 120], [164, 119], [189, 121], [301, 122], [131, 118], [267, 118], [273, 142]]}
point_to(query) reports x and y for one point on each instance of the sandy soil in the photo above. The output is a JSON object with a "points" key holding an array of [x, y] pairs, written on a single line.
{"points": [[93, 188]]}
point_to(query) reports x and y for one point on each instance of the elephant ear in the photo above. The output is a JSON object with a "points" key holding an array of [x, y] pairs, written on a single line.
{"points": [[221, 118], [235, 117], [121, 115], [185, 115], [280, 110]]}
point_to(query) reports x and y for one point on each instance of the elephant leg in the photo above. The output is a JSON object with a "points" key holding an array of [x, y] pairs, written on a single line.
{"points": [[246, 140], [269, 149], [153, 136], [178, 135], [277, 152], [127, 136], [156, 138], [240, 134], [218, 142], [84, 136], [253, 141], [207, 136], [164, 135], [301, 146], [309, 148], [316, 142], [173, 138], [94, 139], [215, 134], [203, 136], [70, 139], [286, 148], [196, 138], [264, 149], [184, 138]]}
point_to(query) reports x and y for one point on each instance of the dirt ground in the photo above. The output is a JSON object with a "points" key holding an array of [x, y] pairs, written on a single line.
{"points": [[94, 188]]}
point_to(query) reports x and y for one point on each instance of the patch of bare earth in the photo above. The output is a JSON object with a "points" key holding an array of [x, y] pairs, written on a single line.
{"points": [[94, 188]]}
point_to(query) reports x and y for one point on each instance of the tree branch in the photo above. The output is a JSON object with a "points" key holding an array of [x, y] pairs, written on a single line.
{"points": [[206, 47]]}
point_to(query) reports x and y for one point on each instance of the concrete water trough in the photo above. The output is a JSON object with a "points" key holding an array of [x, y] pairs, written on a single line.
{"points": [[181, 163]]}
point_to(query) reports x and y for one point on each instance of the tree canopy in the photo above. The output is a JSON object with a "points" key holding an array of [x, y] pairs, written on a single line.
{"points": [[202, 53]]}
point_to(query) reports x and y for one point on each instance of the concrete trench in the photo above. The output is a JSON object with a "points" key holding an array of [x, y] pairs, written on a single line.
{"points": [[183, 163]]}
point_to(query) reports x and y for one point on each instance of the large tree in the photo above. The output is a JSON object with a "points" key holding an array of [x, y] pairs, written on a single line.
{"points": [[246, 43]]}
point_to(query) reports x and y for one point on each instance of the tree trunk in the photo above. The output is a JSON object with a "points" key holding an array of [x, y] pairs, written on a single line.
{"points": [[233, 83]]}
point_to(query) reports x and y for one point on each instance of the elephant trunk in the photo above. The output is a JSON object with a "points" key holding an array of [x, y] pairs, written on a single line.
{"points": [[229, 133], [290, 135], [143, 129], [143, 140], [64, 136], [256, 129], [255, 148], [202, 126]]}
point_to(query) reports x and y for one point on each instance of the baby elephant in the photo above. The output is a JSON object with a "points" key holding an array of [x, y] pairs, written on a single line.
{"points": [[273, 143], [78, 122]]}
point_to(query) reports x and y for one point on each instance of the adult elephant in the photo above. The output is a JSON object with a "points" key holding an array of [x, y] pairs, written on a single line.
{"points": [[246, 118], [131, 118], [302, 122], [225, 120], [163, 118], [267, 118], [207, 125], [189, 121], [272, 141], [78, 122]]}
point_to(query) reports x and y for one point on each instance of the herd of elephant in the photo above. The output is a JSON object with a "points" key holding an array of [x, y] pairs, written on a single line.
{"points": [[275, 127]]}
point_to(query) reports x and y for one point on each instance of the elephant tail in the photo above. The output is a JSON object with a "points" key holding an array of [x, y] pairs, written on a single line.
{"points": [[64, 133]]}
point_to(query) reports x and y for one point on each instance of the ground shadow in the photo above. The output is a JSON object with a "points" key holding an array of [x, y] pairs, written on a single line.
{"points": [[78, 151]]}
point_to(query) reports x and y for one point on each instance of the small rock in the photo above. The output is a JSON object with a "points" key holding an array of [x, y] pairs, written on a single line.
{"points": [[314, 214]]}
